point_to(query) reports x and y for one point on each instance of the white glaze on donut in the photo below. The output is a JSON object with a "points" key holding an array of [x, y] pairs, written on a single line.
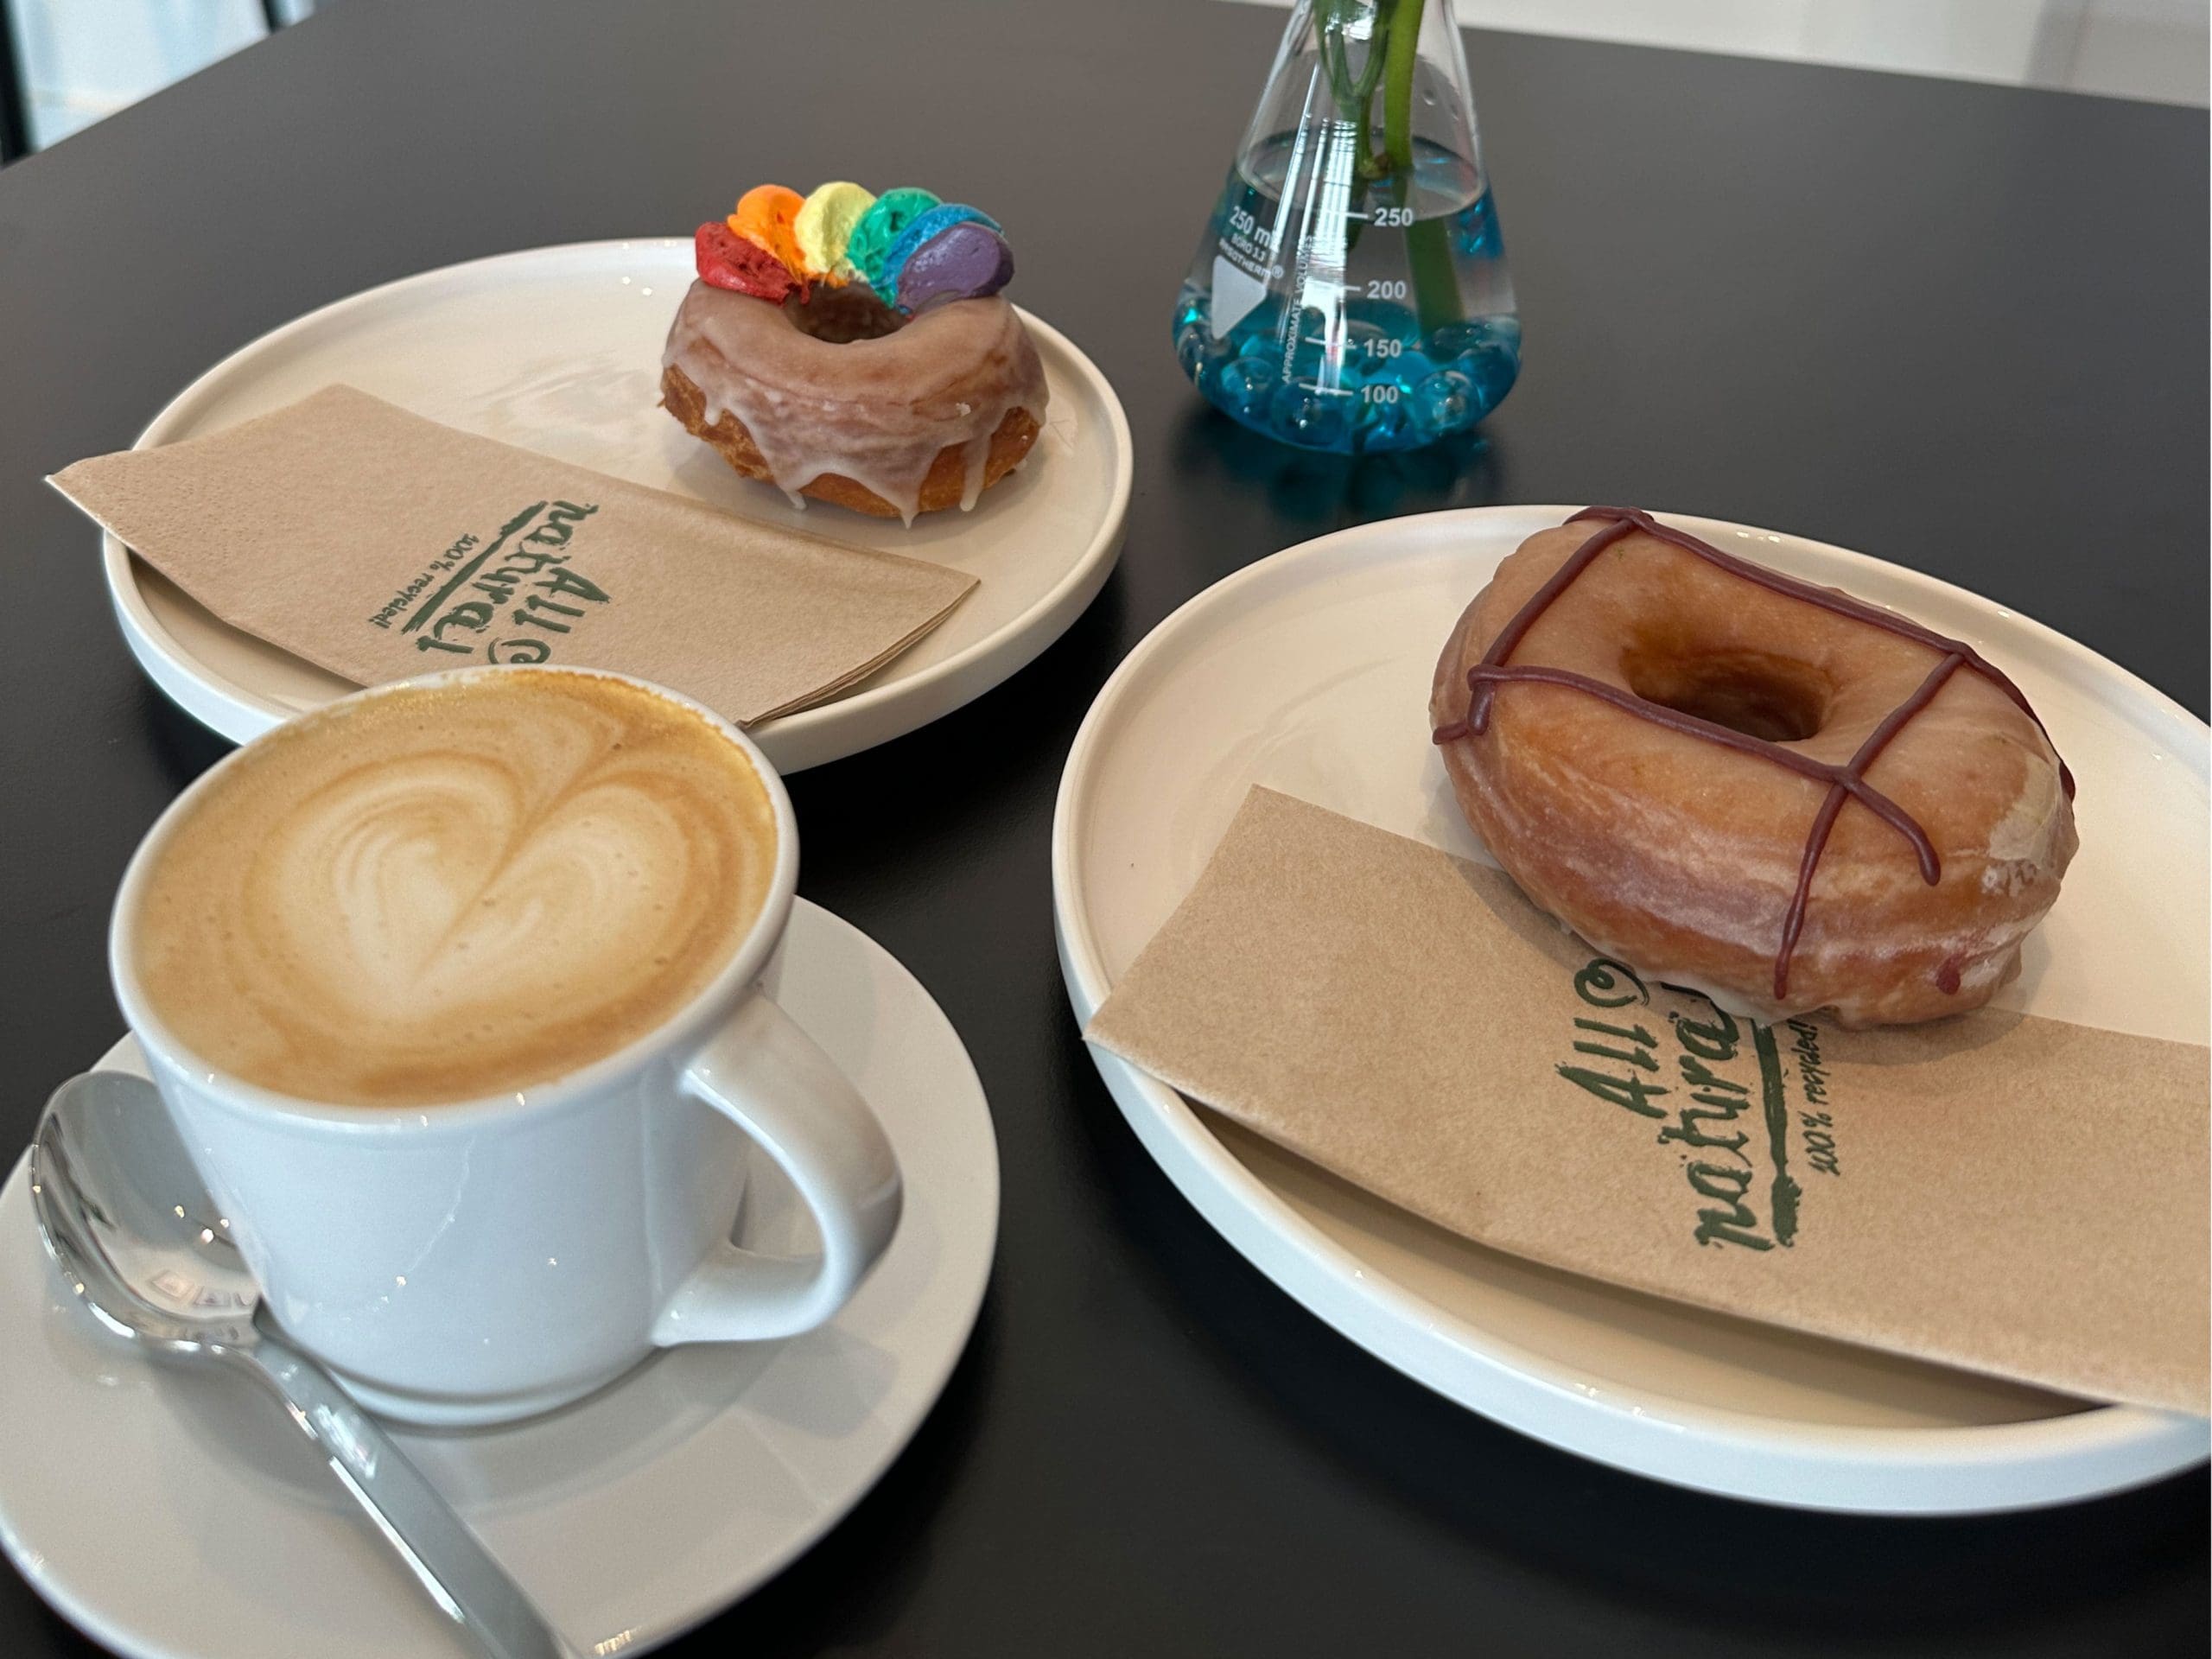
{"points": [[876, 410]]}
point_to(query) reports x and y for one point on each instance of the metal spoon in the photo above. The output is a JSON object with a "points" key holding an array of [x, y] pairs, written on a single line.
{"points": [[124, 1213]]}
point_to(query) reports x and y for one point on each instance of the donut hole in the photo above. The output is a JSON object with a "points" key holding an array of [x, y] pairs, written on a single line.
{"points": [[1761, 696], [841, 315]]}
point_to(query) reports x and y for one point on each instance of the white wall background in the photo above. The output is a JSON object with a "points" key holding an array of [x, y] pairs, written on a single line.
{"points": [[2154, 49], [86, 58]]}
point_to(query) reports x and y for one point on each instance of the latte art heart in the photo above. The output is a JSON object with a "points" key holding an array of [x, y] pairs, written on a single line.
{"points": [[440, 893]]}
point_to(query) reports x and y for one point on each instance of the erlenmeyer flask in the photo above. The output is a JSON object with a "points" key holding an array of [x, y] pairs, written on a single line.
{"points": [[1351, 292]]}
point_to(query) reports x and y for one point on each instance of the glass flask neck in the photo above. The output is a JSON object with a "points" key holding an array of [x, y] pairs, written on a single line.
{"points": [[1383, 80]]}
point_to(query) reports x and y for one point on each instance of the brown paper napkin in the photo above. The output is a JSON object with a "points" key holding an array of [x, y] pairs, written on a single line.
{"points": [[378, 545], [2009, 1194]]}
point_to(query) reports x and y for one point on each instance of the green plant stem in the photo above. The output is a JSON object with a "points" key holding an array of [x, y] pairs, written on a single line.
{"points": [[1402, 56], [1428, 241], [1393, 61], [1354, 95], [1435, 278]]}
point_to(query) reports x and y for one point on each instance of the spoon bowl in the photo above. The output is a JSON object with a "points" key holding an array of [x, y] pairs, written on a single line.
{"points": [[122, 1209], [126, 1218]]}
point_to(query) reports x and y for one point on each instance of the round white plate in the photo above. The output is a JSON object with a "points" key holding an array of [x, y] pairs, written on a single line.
{"points": [[1309, 672], [169, 1512], [558, 350]]}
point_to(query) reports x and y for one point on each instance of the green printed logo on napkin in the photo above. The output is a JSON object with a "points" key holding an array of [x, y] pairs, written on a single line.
{"points": [[380, 545], [2014, 1195], [1722, 1109], [463, 615]]}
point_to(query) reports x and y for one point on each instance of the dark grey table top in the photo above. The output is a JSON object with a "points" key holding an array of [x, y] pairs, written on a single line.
{"points": [[1961, 327]]}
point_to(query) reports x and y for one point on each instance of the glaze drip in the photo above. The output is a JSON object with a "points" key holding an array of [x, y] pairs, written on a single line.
{"points": [[844, 384], [1846, 781]]}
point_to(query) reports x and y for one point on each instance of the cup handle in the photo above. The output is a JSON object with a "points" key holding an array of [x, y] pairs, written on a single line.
{"points": [[770, 1078]]}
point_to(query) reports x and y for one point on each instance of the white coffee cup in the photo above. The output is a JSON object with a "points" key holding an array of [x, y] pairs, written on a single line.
{"points": [[477, 1261]]}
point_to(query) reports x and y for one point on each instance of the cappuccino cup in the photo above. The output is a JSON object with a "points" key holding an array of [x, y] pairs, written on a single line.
{"points": [[451, 988]]}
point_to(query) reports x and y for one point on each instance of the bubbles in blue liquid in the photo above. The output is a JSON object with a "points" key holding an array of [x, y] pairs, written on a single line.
{"points": [[1411, 368], [1493, 365], [1445, 402], [1380, 385], [1485, 352], [1309, 415], [1387, 327], [1388, 426], [1474, 231], [1493, 371], [1243, 386], [1191, 350], [1451, 339], [1378, 320]]}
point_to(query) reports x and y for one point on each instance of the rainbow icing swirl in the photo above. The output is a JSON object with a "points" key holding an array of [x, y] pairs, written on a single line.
{"points": [[913, 249]]}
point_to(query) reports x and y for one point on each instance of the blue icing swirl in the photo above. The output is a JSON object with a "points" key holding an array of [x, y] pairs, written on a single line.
{"points": [[943, 217], [880, 228]]}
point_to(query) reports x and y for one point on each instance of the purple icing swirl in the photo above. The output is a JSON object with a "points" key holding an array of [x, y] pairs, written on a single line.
{"points": [[966, 261]]}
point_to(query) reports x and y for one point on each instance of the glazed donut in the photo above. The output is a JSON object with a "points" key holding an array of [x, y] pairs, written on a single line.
{"points": [[1774, 793], [852, 348], [839, 398]]}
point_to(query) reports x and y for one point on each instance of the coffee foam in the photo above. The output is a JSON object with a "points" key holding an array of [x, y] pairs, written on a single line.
{"points": [[444, 892]]}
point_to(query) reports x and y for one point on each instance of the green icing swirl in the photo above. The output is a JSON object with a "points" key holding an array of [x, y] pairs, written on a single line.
{"points": [[880, 227]]}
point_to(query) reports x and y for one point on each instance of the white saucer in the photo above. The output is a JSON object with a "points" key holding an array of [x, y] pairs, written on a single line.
{"points": [[558, 350], [1309, 672], [173, 1513]]}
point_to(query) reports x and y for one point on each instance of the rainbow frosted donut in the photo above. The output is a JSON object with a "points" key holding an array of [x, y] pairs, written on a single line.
{"points": [[854, 348], [913, 250]]}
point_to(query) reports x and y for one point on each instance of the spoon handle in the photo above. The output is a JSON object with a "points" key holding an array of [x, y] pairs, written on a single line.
{"points": [[458, 1572]]}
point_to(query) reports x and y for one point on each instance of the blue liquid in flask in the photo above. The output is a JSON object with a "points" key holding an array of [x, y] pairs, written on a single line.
{"points": [[1340, 304]]}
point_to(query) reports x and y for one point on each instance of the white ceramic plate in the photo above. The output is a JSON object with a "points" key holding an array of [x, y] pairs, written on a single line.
{"points": [[175, 1514], [1309, 672], [558, 350]]}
